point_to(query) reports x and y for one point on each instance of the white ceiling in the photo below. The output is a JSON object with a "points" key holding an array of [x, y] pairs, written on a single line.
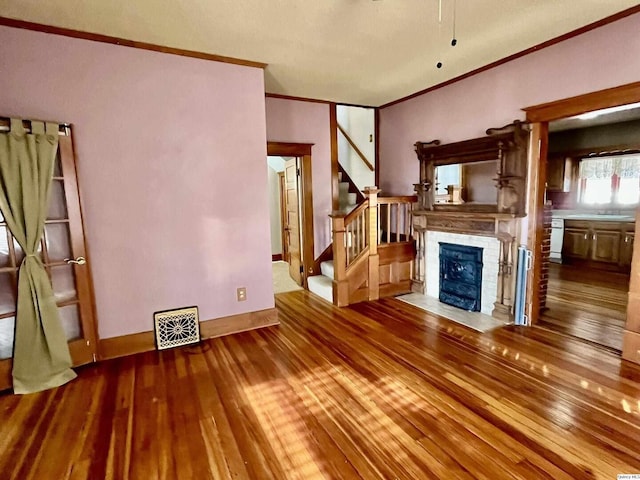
{"points": [[351, 51]]}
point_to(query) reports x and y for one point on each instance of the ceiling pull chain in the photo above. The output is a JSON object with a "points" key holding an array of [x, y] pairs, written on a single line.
{"points": [[454, 40], [439, 64]]}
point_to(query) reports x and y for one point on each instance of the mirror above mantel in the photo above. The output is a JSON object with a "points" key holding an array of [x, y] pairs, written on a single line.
{"points": [[481, 175]]}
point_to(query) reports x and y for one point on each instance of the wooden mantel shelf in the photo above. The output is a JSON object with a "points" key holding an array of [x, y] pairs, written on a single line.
{"points": [[463, 214], [488, 224]]}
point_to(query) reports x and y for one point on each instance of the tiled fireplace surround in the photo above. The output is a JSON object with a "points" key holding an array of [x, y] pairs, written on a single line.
{"points": [[490, 253], [496, 234]]}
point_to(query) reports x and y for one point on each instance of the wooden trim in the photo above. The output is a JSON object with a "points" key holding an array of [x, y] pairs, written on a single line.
{"points": [[277, 257], [605, 151], [286, 149], [568, 107], [631, 340], [306, 217], [355, 148], [537, 183], [302, 151], [535, 48], [284, 247], [145, 341], [335, 168], [6, 379], [376, 117], [311, 100], [82, 273], [97, 37], [399, 199], [351, 216]]}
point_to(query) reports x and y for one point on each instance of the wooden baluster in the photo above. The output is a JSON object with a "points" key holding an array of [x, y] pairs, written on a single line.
{"points": [[397, 222], [407, 222], [379, 228], [362, 235], [388, 209]]}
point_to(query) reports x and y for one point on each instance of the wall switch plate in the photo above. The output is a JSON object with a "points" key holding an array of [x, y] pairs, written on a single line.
{"points": [[241, 293]]}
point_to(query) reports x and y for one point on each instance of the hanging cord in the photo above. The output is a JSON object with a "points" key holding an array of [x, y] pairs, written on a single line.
{"points": [[454, 40], [439, 64]]}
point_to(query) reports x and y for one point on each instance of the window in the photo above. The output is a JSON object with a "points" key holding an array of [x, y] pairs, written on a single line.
{"points": [[610, 180]]}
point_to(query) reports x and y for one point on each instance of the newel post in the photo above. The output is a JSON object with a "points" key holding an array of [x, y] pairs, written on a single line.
{"points": [[371, 194], [340, 282]]}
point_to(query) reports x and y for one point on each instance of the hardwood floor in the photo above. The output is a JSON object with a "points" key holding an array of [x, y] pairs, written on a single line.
{"points": [[379, 390], [588, 304]]}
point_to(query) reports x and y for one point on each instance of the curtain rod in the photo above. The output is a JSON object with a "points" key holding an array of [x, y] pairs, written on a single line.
{"points": [[64, 129]]}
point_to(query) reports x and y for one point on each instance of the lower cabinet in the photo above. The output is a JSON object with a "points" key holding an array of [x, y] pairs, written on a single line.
{"points": [[576, 242], [605, 246], [610, 244], [626, 249]]}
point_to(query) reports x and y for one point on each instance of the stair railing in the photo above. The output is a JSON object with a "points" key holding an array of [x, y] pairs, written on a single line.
{"points": [[355, 148], [394, 219], [355, 251], [376, 224]]}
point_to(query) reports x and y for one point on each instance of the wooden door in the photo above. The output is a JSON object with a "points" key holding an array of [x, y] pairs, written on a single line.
{"points": [[292, 220], [282, 185], [63, 244]]}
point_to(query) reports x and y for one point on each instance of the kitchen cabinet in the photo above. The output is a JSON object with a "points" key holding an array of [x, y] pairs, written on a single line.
{"points": [[605, 245], [558, 173], [626, 249], [576, 242], [601, 243]]}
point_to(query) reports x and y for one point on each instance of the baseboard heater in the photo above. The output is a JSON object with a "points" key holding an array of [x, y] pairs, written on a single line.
{"points": [[525, 258]]}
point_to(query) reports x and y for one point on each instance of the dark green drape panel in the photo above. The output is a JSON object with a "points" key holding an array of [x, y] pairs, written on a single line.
{"points": [[41, 357]]}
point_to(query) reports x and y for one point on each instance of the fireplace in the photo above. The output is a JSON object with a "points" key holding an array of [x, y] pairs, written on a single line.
{"points": [[428, 265], [461, 276]]}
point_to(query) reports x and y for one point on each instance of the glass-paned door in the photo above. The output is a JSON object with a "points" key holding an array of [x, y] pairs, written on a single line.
{"points": [[62, 250]]}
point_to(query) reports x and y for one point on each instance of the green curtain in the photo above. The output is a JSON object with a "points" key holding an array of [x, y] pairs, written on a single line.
{"points": [[41, 357]]}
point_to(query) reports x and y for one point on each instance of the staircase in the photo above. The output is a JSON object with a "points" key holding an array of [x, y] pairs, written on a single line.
{"points": [[322, 285], [373, 251], [348, 193]]}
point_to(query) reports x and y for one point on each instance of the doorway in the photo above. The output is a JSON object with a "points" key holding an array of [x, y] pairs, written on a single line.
{"points": [[291, 214], [592, 189], [284, 216], [63, 253], [585, 190]]}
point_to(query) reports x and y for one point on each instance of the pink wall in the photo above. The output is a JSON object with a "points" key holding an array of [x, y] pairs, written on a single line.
{"points": [[606, 57], [307, 122], [171, 162]]}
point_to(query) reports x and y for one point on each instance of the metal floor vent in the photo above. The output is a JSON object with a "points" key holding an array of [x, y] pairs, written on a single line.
{"points": [[176, 327]]}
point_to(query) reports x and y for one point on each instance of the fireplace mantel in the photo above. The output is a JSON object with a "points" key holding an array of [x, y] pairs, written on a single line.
{"points": [[487, 224]]}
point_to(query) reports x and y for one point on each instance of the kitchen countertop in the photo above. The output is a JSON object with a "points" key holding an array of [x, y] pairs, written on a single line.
{"points": [[573, 215]]}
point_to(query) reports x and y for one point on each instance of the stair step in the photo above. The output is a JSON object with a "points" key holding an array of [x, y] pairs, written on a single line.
{"points": [[327, 268], [352, 198], [322, 286]]}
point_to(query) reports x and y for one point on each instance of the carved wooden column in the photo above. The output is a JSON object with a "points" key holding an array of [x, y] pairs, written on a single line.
{"points": [[418, 279], [371, 194], [340, 282], [503, 303]]}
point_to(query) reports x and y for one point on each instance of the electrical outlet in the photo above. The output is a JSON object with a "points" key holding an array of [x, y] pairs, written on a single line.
{"points": [[241, 293]]}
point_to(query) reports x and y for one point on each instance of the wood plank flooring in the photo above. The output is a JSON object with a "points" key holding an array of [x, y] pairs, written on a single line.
{"points": [[588, 304], [380, 390]]}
